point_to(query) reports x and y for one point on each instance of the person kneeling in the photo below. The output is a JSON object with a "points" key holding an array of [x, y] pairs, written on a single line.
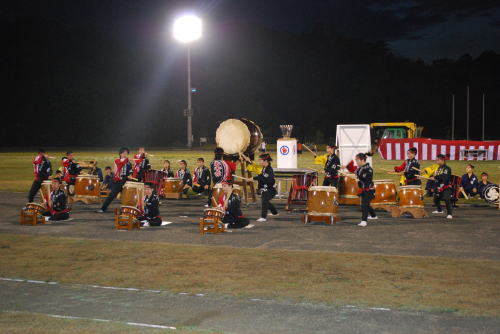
{"points": [[56, 203], [231, 203], [151, 216]]}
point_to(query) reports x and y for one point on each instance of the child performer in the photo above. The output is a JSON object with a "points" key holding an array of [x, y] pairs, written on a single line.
{"points": [[123, 169], [266, 187], [220, 171], [201, 177], [444, 189], [151, 216], [231, 203], [470, 183], [141, 164], [42, 170], [185, 175], [166, 168], [364, 174], [482, 184], [71, 168], [410, 168], [108, 181], [57, 204], [331, 163]]}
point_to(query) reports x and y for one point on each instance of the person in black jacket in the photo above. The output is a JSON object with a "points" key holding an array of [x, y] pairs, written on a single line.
{"points": [[410, 168], [167, 169], [42, 170], [151, 216], [231, 204], [201, 178], [331, 167], [266, 187], [185, 175], [469, 182], [57, 208], [444, 188], [364, 174]]}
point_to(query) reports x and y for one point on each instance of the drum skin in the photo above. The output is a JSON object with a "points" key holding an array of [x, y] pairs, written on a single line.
{"points": [[173, 185], [87, 185], [385, 192], [217, 193], [411, 197], [322, 200], [213, 213], [256, 136], [132, 194], [130, 211], [348, 191], [238, 135]]}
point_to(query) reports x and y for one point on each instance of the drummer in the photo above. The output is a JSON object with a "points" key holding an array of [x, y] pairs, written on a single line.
{"points": [[42, 169], [220, 171], [364, 174], [444, 187], [123, 169], [151, 215], [266, 187], [141, 164], [184, 174], [331, 163], [410, 168], [469, 183], [167, 169], [201, 177], [231, 204], [57, 208], [71, 168]]}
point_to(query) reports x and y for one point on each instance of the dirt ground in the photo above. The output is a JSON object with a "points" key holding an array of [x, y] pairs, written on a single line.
{"points": [[473, 233]]}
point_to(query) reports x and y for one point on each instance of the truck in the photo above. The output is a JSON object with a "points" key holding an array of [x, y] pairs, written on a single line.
{"points": [[396, 130]]}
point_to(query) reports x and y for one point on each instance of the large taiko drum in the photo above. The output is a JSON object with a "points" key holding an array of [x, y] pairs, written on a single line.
{"points": [[411, 197], [385, 192], [322, 200], [87, 187], [133, 194], [217, 193], [348, 190], [238, 135]]}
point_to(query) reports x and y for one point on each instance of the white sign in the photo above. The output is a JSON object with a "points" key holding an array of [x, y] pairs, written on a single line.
{"points": [[351, 140]]}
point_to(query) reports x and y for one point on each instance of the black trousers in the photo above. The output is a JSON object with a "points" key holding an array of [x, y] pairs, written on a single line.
{"points": [[366, 208], [331, 182], [153, 221], [266, 198], [117, 188], [35, 186], [200, 189], [445, 196], [56, 216], [238, 222]]}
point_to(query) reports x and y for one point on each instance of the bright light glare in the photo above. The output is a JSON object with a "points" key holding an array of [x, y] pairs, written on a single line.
{"points": [[187, 28]]}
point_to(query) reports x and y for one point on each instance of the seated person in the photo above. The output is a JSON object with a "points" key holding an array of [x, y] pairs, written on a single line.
{"points": [[98, 171], [107, 182], [431, 185], [231, 204], [57, 208], [58, 175], [151, 216], [470, 182], [184, 174], [167, 169], [482, 184], [201, 177]]}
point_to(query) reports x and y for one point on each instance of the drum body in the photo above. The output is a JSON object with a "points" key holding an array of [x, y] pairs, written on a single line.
{"points": [[214, 214], [87, 186], [322, 200], [173, 185], [348, 190], [491, 193], [130, 211], [133, 194], [218, 193], [238, 135], [411, 197], [385, 193], [35, 208]]}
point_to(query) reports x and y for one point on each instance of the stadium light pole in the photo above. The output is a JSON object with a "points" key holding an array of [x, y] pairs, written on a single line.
{"points": [[187, 29]]}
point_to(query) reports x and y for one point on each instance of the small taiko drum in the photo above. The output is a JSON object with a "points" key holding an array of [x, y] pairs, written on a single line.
{"points": [[348, 190], [218, 193], [213, 214], [411, 197], [385, 193], [173, 187], [87, 188], [130, 211], [321, 203], [32, 214], [35, 208], [126, 218], [133, 194]]}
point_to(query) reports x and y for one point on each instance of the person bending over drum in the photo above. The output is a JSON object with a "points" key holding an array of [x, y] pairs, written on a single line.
{"points": [[184, 174], [364, 174], [331, 163], [151, 215], [231, 204], [470, 183], [57, 208], [201, 177]]}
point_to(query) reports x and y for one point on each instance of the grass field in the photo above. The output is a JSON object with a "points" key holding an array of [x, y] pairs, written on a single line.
{"points": [[437, 284], [17, 168]]}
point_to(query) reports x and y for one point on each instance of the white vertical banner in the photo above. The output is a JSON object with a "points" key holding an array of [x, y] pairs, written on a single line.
{"points": [[389, 151], [490, 152], [452, 152], [424, 152], [443, 149], [397, 150], [462, 155], [433, 152], [407, 147]]}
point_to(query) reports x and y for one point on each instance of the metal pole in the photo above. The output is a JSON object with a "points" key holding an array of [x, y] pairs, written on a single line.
{"points": [[483, 116], [467, 112], [189, 107], [453, 117]]}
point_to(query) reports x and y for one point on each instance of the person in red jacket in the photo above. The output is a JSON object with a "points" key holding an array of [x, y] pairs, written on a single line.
{"points": [[410, 168], [141, 164], [42, 169]]}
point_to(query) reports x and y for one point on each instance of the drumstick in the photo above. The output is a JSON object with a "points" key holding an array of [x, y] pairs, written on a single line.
{"points": [[50, 157], [415, 168], [423, 177], [394, 173], [243, 178], [307, 148], [463, 193]]}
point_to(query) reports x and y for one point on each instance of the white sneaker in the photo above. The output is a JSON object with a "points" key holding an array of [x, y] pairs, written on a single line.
{"points": [[145, 223], [249, 226], [362, 224], [46, 218], [373, 218], [206, 205], [436, 211], [261, 220], [274, 215], [449, 217]]}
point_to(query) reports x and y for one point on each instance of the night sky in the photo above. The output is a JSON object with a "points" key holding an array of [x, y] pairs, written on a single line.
{"points": [[110, 73]]}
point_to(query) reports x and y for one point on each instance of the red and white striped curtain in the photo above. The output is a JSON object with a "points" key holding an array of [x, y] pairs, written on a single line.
{"points": [[428, 149]]}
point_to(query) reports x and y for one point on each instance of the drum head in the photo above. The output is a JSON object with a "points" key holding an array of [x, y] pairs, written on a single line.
{"points": [[383, 181], [233, 136], [491, 193], [323, 188]]}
